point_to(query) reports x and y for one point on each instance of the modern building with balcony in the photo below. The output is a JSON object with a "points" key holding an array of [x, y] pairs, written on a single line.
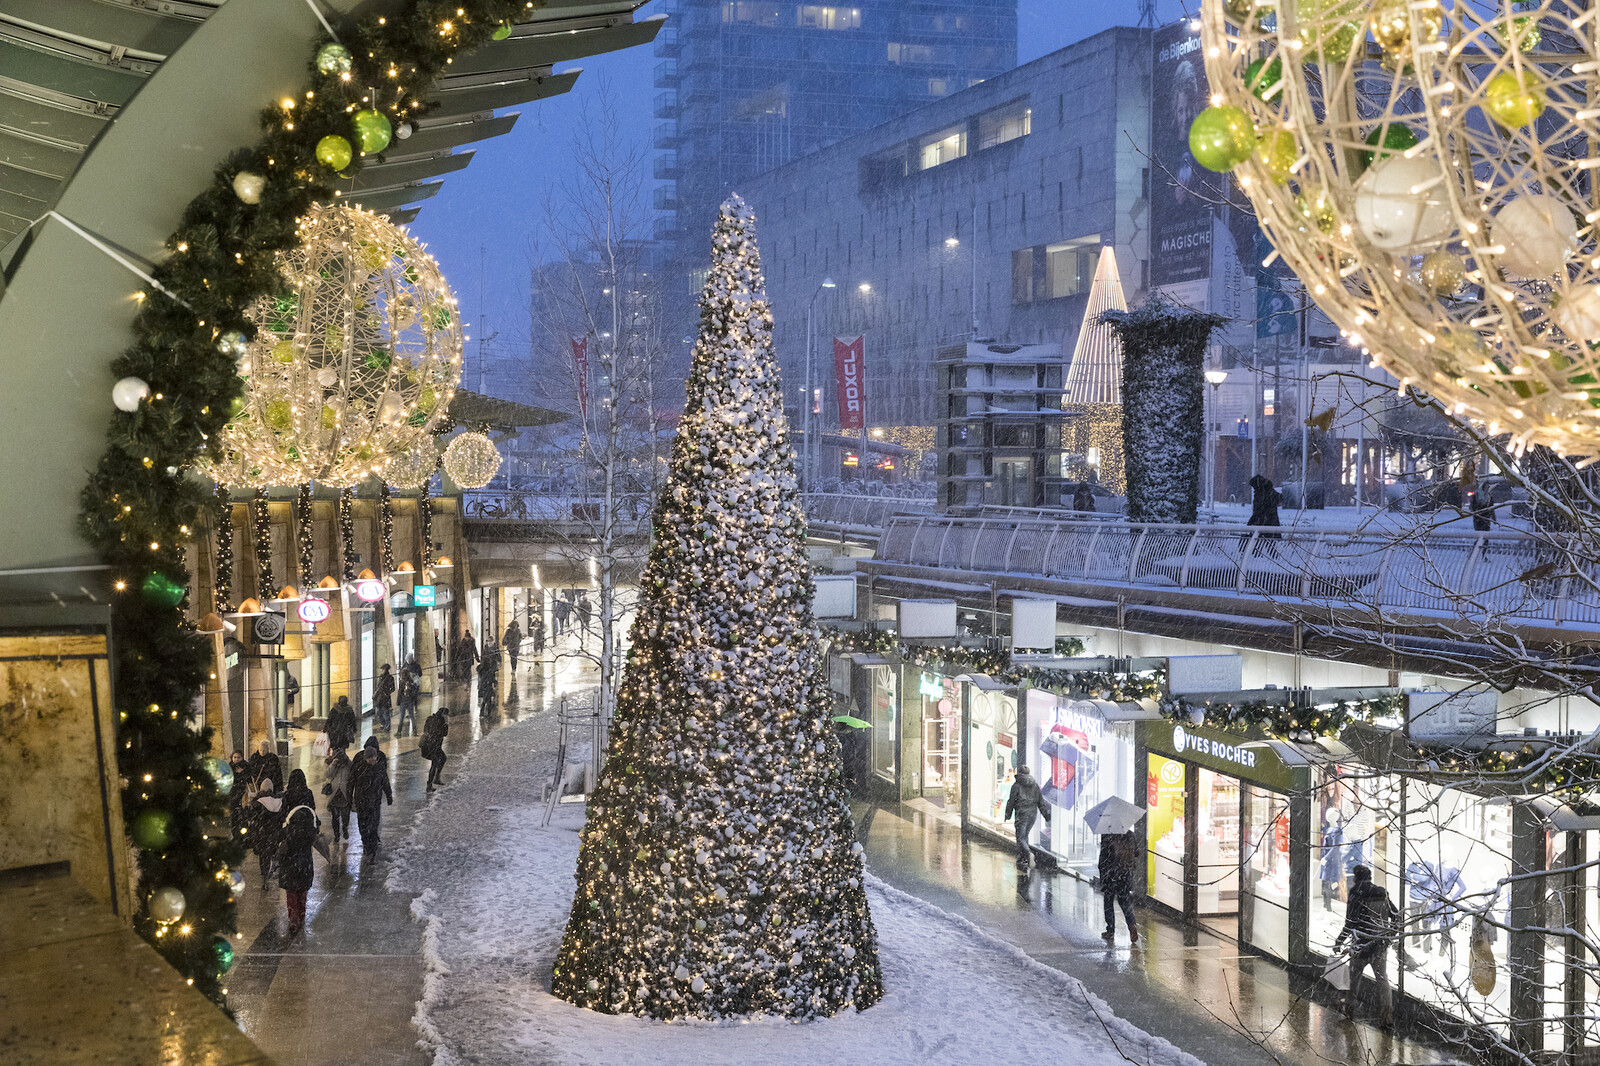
{"points": [[999, 434]]}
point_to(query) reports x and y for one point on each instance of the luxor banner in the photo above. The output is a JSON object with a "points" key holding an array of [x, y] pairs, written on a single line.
{"points": [[849, 362], [580, 363]]}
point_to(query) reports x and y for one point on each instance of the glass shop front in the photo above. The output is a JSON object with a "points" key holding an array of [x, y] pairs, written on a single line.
{"points": [[993, 742], [1081, 752]]}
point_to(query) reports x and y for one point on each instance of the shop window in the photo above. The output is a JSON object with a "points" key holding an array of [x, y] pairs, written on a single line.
{"points": [[820, 17], [885, 722], [1006, 124], [1078, 759], [1013, 436], [1353, 824], [1053, 271], [1218, 846], [1265, 873], [943, 147], [992, 756], [1165, 824]]}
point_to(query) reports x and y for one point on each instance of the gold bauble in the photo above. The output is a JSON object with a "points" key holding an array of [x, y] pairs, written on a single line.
{"points": [[1443, 272]]}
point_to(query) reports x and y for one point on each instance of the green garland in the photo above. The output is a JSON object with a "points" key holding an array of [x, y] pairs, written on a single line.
{"points": [[139, 506], [1108, 684], [1283, 721]]}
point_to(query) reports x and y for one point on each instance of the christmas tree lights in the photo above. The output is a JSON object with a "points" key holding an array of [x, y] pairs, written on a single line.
{"points": [[718, 873], [347, 535], [261, 522], [303, 535], [222, 579]]}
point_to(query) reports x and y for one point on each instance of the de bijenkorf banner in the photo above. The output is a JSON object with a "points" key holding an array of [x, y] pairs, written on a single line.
{"points": [[1181, 191]]}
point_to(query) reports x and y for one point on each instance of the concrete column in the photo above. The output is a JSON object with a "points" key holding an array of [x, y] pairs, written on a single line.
{"points": [[1526, 952]]}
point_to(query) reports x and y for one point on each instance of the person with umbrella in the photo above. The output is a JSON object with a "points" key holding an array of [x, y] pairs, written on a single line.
{"points": [[1026, 802], [1113, 820]]}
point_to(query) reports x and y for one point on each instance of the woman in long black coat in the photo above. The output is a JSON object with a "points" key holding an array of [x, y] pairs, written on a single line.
{"points": [[299, 827], [238, 817], [369, 787]]}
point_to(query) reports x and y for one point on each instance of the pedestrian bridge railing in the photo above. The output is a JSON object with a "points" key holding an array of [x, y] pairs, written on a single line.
{"points": [[862, 515], [1519, 579]]}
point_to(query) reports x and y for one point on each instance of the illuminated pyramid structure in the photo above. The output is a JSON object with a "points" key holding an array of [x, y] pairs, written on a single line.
{"points": [[1093, 439]]}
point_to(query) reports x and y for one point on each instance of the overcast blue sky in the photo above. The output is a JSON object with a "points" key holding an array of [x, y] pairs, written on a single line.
{"points": [[486, 217]]}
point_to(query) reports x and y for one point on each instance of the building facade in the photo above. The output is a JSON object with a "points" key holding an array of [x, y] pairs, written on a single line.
{"points": [[749, 85], [990, 205]]}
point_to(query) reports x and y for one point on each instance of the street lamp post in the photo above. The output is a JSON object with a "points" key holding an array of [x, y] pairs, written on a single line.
{"points": [[807, 422], [1215, 378]]}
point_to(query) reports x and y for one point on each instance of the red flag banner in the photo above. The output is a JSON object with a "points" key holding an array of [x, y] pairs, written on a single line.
{"points": [[849, 358], [580, 363]]}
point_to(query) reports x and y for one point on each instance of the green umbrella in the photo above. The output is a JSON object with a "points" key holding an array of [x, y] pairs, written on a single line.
{"points": [[852, 721]]}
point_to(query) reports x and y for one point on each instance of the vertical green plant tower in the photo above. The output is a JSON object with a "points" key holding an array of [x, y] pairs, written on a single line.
{"points": [[718, 873]]}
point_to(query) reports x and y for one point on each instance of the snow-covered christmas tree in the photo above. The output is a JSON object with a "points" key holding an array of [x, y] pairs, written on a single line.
{"points": [[718, 873]]}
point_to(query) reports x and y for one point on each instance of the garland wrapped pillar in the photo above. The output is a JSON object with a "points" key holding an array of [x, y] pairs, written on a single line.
{"points": [[347, 535], [261, 522], [385, 529], [718, 873], [305, 542], [222, 579], [1163, 406], [425, 522]]}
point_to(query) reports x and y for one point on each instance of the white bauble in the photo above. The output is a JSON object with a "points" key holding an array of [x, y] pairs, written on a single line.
{"points": [[1399, 203], [128, 393], [1578, 314], [391, 409], [167, 905], [328, 377], [471, 460], [1538, 233], [248, 186]]}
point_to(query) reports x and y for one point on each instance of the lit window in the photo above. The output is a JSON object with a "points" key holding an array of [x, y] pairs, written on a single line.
{"points": [[909, 53], [1006, 124], [943, 147], [1268, 398], [818, 17], [938, 87], [756, 12]]}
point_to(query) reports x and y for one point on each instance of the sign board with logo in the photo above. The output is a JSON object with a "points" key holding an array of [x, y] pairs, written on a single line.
{"points": [[423, 596], [270, 627], [1470, 712], [370, 591], [313, 610], [1272, 763]]}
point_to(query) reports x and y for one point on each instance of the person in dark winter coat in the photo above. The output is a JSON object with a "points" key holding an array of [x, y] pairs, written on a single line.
{"points": [[1026, 802], [409, 695], [1481, 505], [1264, 501], [466, 655], [265, 766], [265, 816], [513, 643], [1116, 882], [382, 695], [238, 817], [369, 787], [434, 730], [1083, 497], [488, 678], [536, 630], [342, 724], [1371, 921], [336, 786], [299, 827]]}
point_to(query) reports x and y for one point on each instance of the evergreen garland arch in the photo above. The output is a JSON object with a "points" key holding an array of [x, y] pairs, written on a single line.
{"points": [[719, 874]]}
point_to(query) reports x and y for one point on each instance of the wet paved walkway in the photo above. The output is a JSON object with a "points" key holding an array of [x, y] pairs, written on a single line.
{"points": [[1189, 986], [344, 991]]}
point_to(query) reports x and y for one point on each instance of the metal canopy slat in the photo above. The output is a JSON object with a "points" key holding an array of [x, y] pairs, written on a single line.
{"points": [[119, 24], [544, 49], [70, 77], [388, 175], [385, 199], [455, 101], [36, 156], [22, 206], [432, 135], [70, 123], [26, 183]]}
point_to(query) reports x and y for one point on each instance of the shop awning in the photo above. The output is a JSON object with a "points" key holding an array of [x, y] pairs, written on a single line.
{"points": [[1127, 710], [984, 682], [1566, 818], [869, 658]]}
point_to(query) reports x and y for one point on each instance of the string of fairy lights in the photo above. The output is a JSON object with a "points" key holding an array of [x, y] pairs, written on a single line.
{"points": [[222, 579], [425, 522], [385, 529], [347, 534], [304, 534], [261, 521]]}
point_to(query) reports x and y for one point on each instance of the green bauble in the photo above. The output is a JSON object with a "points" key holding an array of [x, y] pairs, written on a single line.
{"points": [[1221, 138], [283, 351], [1264, 78], [1277, 152], [1332, 27], [334, 152], [1241, 11], [224, 954], [372, 131], [220, 772], [501, 32], [333, 58], [160, 590], [426, 399], [1525, 33], [379, 358], [152, 829], [1513, 101], [235, 407], [278, 414], [1387, 139]]}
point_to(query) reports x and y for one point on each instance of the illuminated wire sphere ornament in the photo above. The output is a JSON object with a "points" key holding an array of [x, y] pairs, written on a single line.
{"points": [[358, 356], [1439, 203], [413, 461], [471, 460]]}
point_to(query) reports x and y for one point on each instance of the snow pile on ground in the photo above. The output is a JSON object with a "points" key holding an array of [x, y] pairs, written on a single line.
{"points": [[494, 889]]}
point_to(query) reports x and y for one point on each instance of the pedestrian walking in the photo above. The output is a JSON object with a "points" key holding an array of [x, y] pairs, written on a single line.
{"points": [[1025, 803], [1481, 505], [238, 817], [342, 724], [299, 832], [466, 655], [382, 694], [488, 678], [434, 730], [265, 766], [1264, 501], [408, 697], [585, 614], [1083, 497], [1371, 922], [291, 689], [369, 788], [262, 834], [1116, 883], [536, 630], [336, 786], [513, 643]]}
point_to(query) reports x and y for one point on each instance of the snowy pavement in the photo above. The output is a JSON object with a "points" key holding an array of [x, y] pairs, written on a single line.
{"points": [[492, 888]]}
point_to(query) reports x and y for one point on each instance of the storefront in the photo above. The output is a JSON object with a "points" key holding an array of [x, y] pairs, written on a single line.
{"points": [[1081, 752], [937, 703], [993, 742], [1226, 832]]}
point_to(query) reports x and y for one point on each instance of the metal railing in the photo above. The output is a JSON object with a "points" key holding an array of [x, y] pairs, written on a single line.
{"points": [[1510, 577], [551, 507], [859, 514]]}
